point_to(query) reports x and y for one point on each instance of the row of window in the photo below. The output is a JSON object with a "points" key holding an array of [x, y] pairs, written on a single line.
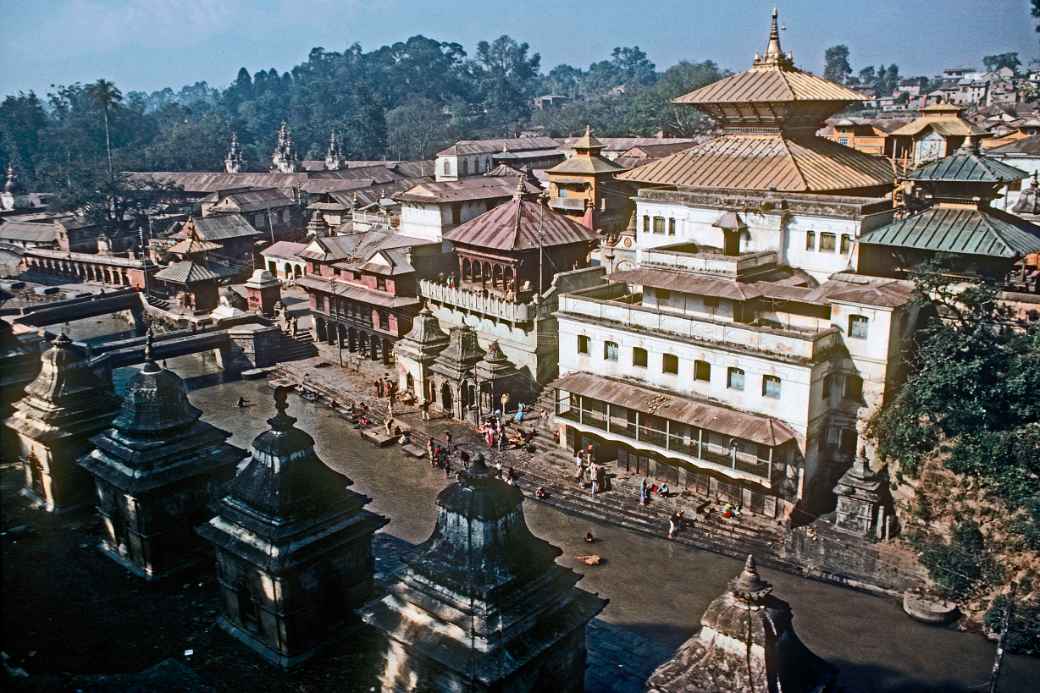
{"points": [[657, 225], [351, 309], [829, 242], [735, 377]]}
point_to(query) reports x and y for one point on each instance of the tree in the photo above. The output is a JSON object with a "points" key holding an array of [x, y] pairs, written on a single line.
{"points": [[995, 62], [1035, 12], [836, 64], [868, 76], [107, 97], [965, 429], [633, 66], [416, 129], [507, 77]]}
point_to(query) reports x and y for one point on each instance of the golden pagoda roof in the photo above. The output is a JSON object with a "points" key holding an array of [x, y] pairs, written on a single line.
{"points": [[587, 141], [767, 161], [771, 78]]}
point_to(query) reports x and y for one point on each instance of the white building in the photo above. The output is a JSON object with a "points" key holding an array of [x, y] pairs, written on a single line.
{"points": [[430, 210], [730, 374], [476, 157]]}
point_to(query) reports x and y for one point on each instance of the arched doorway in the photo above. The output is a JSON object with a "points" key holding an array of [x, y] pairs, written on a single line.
{"points": [[409, 383], [446, 400]]}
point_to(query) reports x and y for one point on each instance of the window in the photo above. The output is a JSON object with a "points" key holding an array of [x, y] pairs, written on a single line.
{"points": [[381, 283], [771, 386], [702, 370], [646, 223], [663, 295], [610, 351], [735, 379], [658, 224], [853, 388], [858, 325], [671, 227], [843, 140], [447, 167], [846, 243], [827, 243], [583, 344], [319, 302], [456, 214], [810, 240], [639, 357], [335, 271], [670, 364], [384, 321], [828, 382], [356, 275]]}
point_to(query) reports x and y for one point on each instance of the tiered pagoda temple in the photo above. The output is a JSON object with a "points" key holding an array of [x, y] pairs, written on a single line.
{"points": [[62, 408], [156, 471], [951, 213], [769, 116], [483, 606], [294, 546], [746, 643]]}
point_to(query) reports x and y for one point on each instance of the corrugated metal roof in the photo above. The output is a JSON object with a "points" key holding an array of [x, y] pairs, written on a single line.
{"points": [[520, 225], [27, 232], [621, 144], [770, 84], [478, 188], [221, 227], [588, 165], [988, 232], [685, 409], [284, 249], [355, 292], [495, 146], [949, 127], [767, 161], [188, 272], [254, 200], [967, 165]]}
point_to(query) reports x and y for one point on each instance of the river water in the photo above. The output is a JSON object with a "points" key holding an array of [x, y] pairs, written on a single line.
{"points": [[657, 589]]}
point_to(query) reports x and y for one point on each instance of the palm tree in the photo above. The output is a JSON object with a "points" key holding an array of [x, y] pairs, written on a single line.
{"points": [[106, 95]]}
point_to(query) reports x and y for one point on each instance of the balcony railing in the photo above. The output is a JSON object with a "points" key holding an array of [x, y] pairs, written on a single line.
{"points": [[668, 443], [710, 263], [477, 302], [807, 346]]}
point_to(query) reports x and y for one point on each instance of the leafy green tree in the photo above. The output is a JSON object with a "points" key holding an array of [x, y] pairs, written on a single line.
{"points": [[107, 97], [836, 64], [416, 129], [633, 66], [995, 62], [507, 76]]}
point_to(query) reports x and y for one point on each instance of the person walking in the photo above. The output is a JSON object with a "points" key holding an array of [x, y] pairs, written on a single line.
{"points": [[642, 491], [673, 525], [377, 385], [431, 451], [579, 462], [594, 473], [424, 409]]}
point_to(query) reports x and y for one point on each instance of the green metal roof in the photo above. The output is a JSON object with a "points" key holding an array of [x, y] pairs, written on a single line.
{"points": [[967, 165], [968, 231]]}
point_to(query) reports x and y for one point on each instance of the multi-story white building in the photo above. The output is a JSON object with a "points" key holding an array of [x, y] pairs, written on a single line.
{"points": [[731, 374], [430, 210], [476, 157]]}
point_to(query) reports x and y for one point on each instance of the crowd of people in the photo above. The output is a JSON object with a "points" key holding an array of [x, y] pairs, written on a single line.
{"points": [[588, 474]]}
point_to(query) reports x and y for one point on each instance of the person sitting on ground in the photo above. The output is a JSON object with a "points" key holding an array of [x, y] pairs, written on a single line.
{"points": [[540, 492], [404, 438], [241, 402], [663, 491], [589, 539]]}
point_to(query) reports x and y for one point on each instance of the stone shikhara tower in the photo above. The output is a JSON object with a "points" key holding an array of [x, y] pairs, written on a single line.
{"points": [[62, 408], [283, 159], [746, 643], [233, 159], [294, 546], [484, 606], [156, 470]]}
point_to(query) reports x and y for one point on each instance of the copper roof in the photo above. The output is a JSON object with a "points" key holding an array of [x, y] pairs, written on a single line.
{"points": [[584, 164], [356, 292], [221, 227], [520, 225], [682, 408], [284, 249], [496, 146], [970, 231], [948, 127], [784, 163]]}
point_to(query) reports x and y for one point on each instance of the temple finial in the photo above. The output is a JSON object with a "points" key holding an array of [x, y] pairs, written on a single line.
{"points": [[281, 421], [148, 338]]}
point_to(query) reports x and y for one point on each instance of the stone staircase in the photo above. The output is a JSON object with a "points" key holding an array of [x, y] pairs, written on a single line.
{"points": [[297, 348]]}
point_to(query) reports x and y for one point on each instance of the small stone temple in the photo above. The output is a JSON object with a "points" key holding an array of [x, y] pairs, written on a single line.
{"points": [[294, 546], [62, 408], [263, 290], [862, 494], [452, 374], [416, 351], [746, 643], [156, 471], [483, 606]]}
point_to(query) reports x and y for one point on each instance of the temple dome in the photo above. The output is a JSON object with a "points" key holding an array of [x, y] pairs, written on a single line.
{"points": [[65, 373], [156, 401]]}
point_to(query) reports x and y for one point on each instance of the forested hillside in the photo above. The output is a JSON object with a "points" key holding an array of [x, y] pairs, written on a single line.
{"points": [[403, 101]]}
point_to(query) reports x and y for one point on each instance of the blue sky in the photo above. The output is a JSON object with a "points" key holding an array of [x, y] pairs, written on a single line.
{"points": [[149, 44]]}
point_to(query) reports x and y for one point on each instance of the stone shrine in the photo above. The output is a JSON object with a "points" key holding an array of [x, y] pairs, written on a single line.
{"points": [[483, 606], [416, 351], [453, 375], [746, 643], [861, 500], [294, 546], [263, 290], [62, 408], [156, 471]]}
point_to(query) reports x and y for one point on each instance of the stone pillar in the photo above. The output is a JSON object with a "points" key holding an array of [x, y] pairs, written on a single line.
{"points": [[861, 507]]}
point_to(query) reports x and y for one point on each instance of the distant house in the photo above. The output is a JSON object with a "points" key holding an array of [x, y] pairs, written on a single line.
{"points": [[431, 210], [475, 157], [549, 101], [283, 260], [267, 209], [232, 232], [938, 132]]}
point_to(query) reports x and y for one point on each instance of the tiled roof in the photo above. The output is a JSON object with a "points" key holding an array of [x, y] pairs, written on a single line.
{"points": [[496, 146], [767, 161], [520, 225], [683, 408], [255, 200], [477, 188], [222, 227], [357, 245], [355, 292], [987, 232], [580, 164], [284, 249], [188, 272], [27, 232], [967, 165]]}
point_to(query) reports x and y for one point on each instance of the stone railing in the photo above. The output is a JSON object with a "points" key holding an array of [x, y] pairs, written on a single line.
{"points": [[804, 346], [489, 305], [710, 263]]}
